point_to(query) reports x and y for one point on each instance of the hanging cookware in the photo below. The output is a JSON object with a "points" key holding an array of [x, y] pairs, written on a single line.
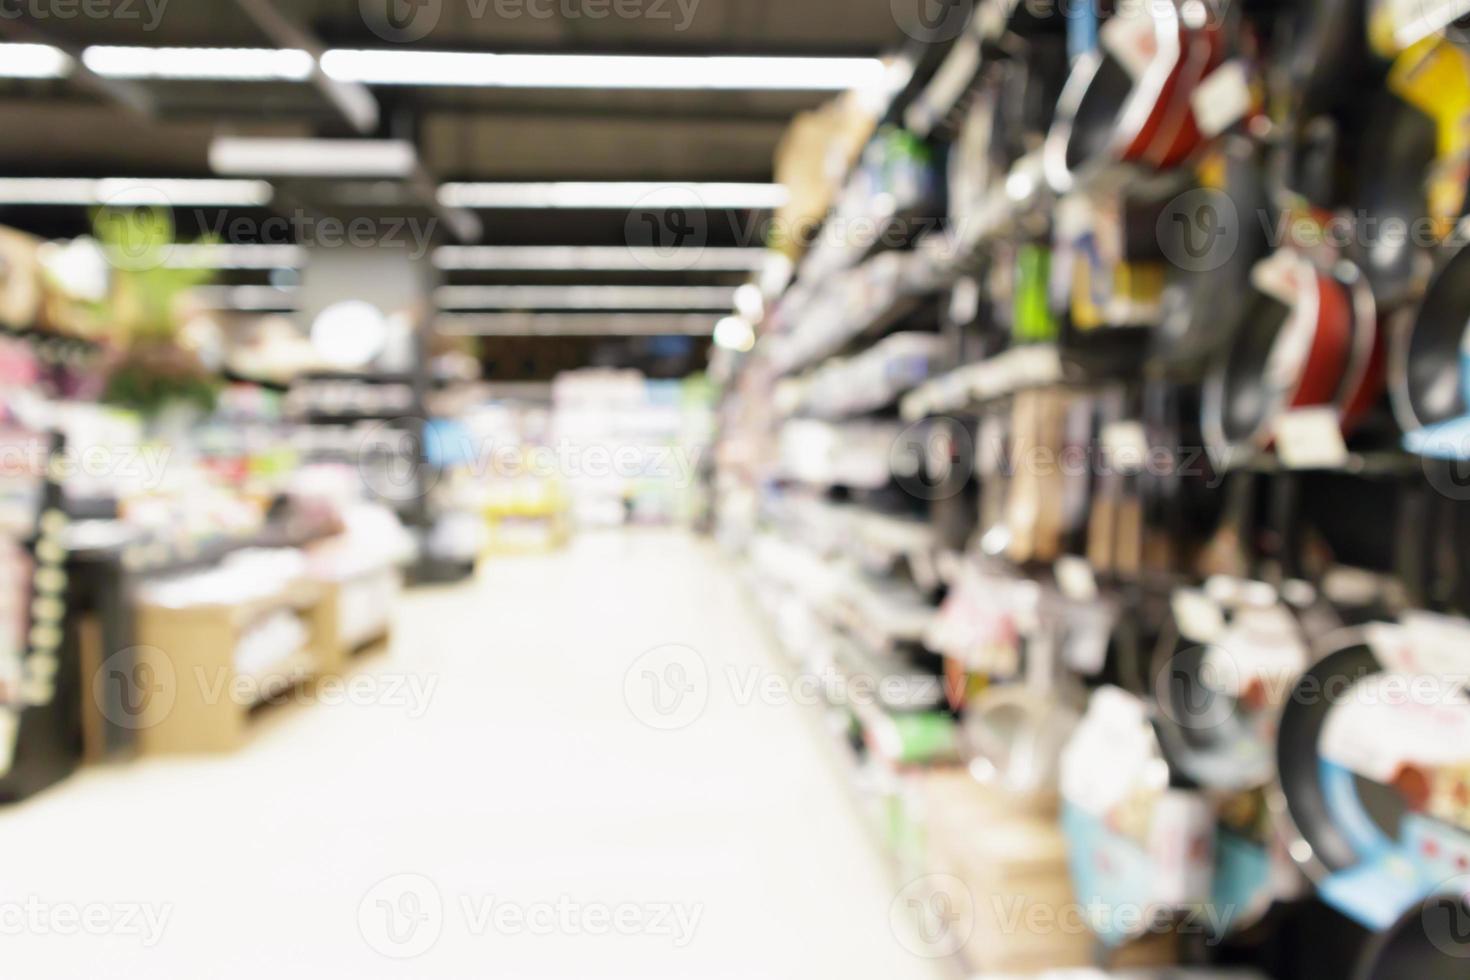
{"points": [[1373, 758], [1213, 236], [1014, 738], [1429, 360], [1128, 100], [1433, 76], [1183, 503], [1429, 942], [1219, 691], [1399, 146], [1030, 20], [1307, 338], [1302, 800], [1326, 50]]}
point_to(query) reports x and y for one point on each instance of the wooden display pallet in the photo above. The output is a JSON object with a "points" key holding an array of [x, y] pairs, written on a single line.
{"points": [[191, 696]]}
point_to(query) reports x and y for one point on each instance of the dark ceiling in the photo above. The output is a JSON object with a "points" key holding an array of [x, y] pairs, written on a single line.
{"points": [[59, 126], [70, 128]]}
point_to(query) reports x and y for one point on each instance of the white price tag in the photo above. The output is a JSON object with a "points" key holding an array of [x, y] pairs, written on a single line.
{"points": [[1075, 578], [1387, 721], [1414, 20], [1435, 644], [1086, 649], [1198, 617], [1222, 99], [1126, 444], [1311, 438]]}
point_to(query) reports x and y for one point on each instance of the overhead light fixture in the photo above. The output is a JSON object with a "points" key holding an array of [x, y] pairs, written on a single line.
{"points": [[735, 333], [207, 64], [613, 194], [134, 192], [572, 325], [252, 299], [351, 334], [614, 258], [271, 157], [584, 297], [33, 61], [486, 70], [226, 256]]}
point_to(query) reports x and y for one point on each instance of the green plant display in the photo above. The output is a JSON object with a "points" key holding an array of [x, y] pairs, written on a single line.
{"points": [[154, 370]]}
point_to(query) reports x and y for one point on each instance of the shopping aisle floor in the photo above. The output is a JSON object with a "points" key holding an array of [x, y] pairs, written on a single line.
{"points": [[483, 802]]}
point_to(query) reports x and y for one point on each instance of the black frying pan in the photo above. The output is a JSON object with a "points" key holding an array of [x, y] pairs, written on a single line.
{"points": [[1246, 398], [1399, 145], [1326, 49], [1202, 308], [1425, 378], [1028, 19], [1430, 942], [1300, 805]]}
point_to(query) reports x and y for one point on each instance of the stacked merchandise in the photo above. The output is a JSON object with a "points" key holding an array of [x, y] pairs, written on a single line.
{"points": [[512, 481], [1195, 570], [630, 448], [150, 506]]}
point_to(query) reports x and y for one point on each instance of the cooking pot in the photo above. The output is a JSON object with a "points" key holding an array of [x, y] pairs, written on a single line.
{"points": [[1307, 337], [1128, 100]]}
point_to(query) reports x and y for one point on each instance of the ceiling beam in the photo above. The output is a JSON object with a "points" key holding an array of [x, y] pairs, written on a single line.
{"points": [[128, 94], [574, 324], [354, 103]]}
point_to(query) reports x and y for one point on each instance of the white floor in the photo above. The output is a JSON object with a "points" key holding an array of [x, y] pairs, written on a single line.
{"points": [[369, 838]]}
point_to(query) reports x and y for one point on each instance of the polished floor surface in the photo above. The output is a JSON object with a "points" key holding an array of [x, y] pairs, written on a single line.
{"points": [[563, 769]]}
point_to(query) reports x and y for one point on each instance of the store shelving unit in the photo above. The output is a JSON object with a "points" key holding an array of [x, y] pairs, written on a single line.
{"points": [[1340, 537]]}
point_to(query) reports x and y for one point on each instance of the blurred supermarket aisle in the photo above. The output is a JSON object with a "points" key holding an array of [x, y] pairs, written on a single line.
{"points": [[498, 789]]}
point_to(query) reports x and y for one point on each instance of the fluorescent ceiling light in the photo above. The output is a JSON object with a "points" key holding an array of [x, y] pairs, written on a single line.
{"points": [[33, 61], [573, 324], [215, 64], [134, 192], [616, 258], [312, 157], [613, 194], [223, 256], [254, 299], [584, 297], [484, 70]]}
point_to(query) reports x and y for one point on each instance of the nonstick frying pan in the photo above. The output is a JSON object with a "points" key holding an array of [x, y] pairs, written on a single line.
{"points": [[1427, 376], [1326, 48], [1015, 737], [1399, 146], [1208, 734], [1028, 19], [1300, 798], [1430, 942], [1105, 115], [1291, 350], [1200, 308]]}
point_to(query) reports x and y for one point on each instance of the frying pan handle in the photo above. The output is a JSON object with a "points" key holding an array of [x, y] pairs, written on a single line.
{"points": [[1081, 29]]}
